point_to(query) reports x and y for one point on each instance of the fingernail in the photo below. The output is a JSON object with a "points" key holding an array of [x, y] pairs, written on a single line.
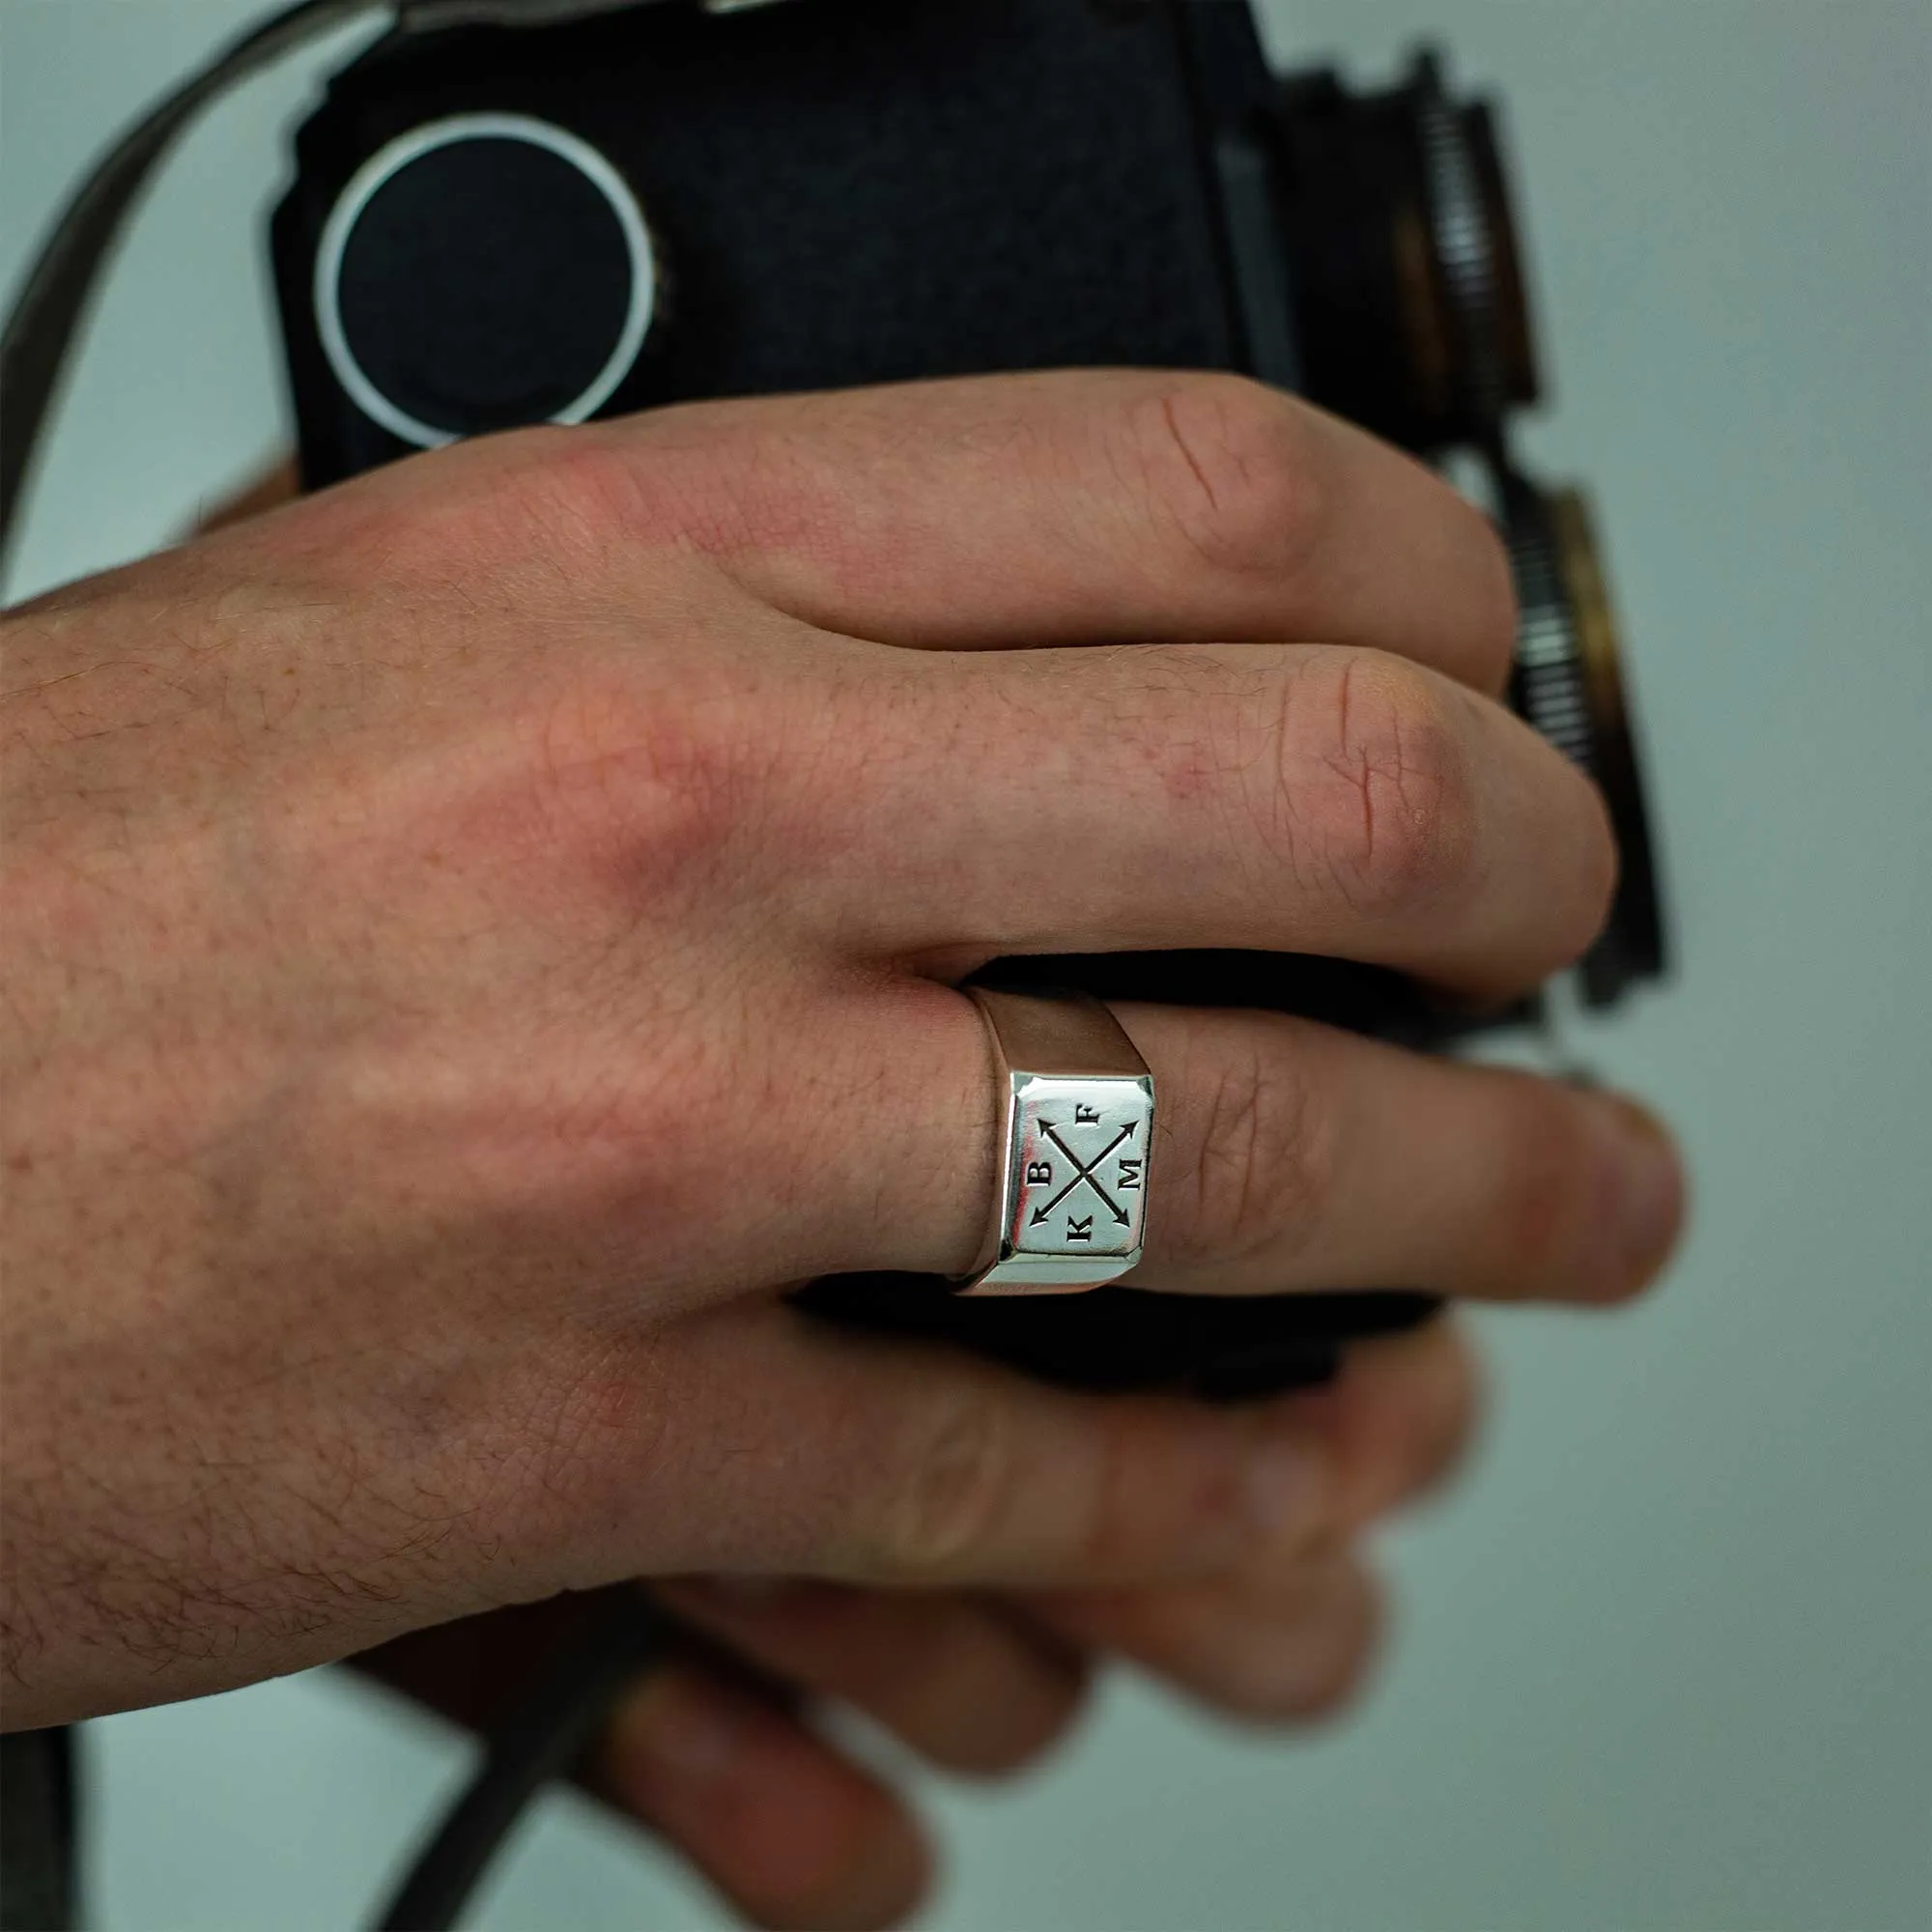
{"points": [[676, 1724], [1648, 1200], [1286, 1486]]}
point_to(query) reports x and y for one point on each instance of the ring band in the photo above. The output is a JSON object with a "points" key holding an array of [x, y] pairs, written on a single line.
{"points": [[1076, 1130]]}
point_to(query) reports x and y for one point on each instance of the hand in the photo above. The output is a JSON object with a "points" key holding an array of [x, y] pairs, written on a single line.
{"points": [[727, 1765], [475, 936]]}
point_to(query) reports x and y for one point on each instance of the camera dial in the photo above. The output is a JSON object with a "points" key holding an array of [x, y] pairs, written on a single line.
{"points": [[483, 272]]}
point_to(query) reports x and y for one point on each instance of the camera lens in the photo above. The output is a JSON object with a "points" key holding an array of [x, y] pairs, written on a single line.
{"points": [[1411, 312], [1569, 684]]}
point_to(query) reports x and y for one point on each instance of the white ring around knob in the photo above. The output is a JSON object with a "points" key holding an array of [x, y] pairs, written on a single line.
{"points": [[388, 163]]}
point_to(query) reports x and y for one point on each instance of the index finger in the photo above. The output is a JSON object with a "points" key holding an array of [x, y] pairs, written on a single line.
{"points": [[1079, 508]]}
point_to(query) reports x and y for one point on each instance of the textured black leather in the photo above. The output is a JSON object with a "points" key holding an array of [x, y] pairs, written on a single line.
{"points": [[844, 191]]}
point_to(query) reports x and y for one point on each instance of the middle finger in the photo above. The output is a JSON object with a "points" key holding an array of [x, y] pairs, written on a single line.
{"points": [[1283, 798]]}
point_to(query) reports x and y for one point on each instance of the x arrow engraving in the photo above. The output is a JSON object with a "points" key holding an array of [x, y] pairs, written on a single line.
{"points": [[1084, 1173]]}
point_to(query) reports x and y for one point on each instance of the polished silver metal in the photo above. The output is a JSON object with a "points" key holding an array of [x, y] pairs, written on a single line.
{"points": [[1076, 1131]]}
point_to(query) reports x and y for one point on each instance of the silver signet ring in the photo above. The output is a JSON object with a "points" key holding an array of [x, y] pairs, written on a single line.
{"points": [[1076, 1128]]}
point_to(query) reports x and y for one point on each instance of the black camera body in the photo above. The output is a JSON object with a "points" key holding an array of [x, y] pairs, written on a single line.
{"points": [[837, 192], [495, 225]]}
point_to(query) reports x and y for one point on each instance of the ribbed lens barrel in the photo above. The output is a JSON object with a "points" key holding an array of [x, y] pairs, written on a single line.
{"points": [[1569, 683], [1410, 304]]}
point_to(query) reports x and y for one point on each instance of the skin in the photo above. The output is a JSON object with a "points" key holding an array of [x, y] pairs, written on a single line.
{"points": [[477, 936]]}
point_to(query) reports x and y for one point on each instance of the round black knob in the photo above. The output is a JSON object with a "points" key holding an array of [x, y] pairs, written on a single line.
{"points": [[481, 273]]}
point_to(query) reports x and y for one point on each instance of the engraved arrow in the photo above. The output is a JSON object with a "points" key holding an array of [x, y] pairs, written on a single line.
{"points": [[1085, 1174]]}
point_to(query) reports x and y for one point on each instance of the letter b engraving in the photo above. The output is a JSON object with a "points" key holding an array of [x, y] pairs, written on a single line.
{"points": [[1039, 1174]]}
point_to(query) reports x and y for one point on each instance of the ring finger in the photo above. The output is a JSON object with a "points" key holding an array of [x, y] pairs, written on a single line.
{"points": [[1287, 1155]]}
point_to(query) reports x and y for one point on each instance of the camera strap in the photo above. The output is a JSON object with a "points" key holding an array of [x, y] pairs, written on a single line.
{"points": [[54, 298]]}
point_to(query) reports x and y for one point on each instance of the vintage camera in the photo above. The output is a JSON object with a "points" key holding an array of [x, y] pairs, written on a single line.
{"points": [[496, 222]]}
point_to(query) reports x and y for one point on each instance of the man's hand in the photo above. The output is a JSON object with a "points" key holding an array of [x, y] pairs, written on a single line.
{"points": [[476, 937], [728, 1765]]}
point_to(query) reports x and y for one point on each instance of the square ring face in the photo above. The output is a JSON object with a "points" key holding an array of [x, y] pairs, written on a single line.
{"points": [[1076, 1187]]}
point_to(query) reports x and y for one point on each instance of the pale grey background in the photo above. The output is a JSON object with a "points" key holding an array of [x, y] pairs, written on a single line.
{"points": [[1666, 1659]]}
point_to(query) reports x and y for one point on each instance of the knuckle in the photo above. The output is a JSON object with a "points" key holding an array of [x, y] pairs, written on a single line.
{"points": [[1313, 1661], [1416, 1426], [1598, 869], [958, 1487], [569, 1432], [1405, 1412], [584, 491], [1377, 792], [597, 494], [547, 501], [1550, 1165], [655, 789], [1347, 1651], [1498, 604], [1237, 469], [1262, 1160], [577, 481], [1451, 1420], [1495, 611], [718, 482], [1140, 1495], [993, 1723], [1022, 1740]]}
